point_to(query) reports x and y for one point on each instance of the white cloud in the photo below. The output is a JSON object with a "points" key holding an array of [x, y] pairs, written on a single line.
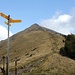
{"points": [[62, 23], [4, 33]]}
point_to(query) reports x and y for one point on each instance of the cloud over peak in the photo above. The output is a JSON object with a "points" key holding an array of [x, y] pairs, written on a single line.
{"points": [[63, 18], [62, 23]]}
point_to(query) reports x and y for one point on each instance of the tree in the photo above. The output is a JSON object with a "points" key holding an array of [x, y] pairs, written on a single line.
{"points": [[69, 48]]}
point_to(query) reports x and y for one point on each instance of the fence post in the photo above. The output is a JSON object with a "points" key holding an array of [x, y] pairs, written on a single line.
{"points": [[15, 66], [3, 65], [16, 60], [6, 65]]}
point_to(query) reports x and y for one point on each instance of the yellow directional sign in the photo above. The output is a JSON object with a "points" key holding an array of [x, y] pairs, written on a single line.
{"points": [[7, 23], [4, 16], [15, 21], [11, 20]]}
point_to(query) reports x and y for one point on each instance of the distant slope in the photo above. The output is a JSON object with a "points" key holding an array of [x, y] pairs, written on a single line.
{"points": [[38, 50]]}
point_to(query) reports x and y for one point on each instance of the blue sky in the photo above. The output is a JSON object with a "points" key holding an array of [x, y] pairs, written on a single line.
{"points": [[37, 11]]}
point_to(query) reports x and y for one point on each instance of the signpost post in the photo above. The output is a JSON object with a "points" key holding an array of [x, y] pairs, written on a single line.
{"points": [[8, 45]]}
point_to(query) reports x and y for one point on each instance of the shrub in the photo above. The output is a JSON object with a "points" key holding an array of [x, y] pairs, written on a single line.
{"points": [[69, 48]]}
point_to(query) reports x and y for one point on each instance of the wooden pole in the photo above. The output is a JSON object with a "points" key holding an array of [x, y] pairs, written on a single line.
{"points": [[16, 60], [6, 65], [15, 66], [3, 62], [3, 65]]}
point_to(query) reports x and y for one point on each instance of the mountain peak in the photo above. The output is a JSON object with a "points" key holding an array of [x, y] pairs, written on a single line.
{"points": [[35, 24], [34, 27], [37, 27]]}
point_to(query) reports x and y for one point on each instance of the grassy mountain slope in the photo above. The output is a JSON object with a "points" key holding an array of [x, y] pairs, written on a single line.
{"points": [[38, 50]]}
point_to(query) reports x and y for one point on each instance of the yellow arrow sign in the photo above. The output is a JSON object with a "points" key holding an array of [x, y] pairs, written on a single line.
{"points": [[7, 23], [4, 16], [15, 21], [11, 20]]}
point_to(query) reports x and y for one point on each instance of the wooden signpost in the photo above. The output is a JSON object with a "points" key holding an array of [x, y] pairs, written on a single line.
{"points": [[10, 20]]}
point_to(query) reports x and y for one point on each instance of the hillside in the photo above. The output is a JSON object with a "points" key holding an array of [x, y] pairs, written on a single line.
{"points": [[38, 50]]}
